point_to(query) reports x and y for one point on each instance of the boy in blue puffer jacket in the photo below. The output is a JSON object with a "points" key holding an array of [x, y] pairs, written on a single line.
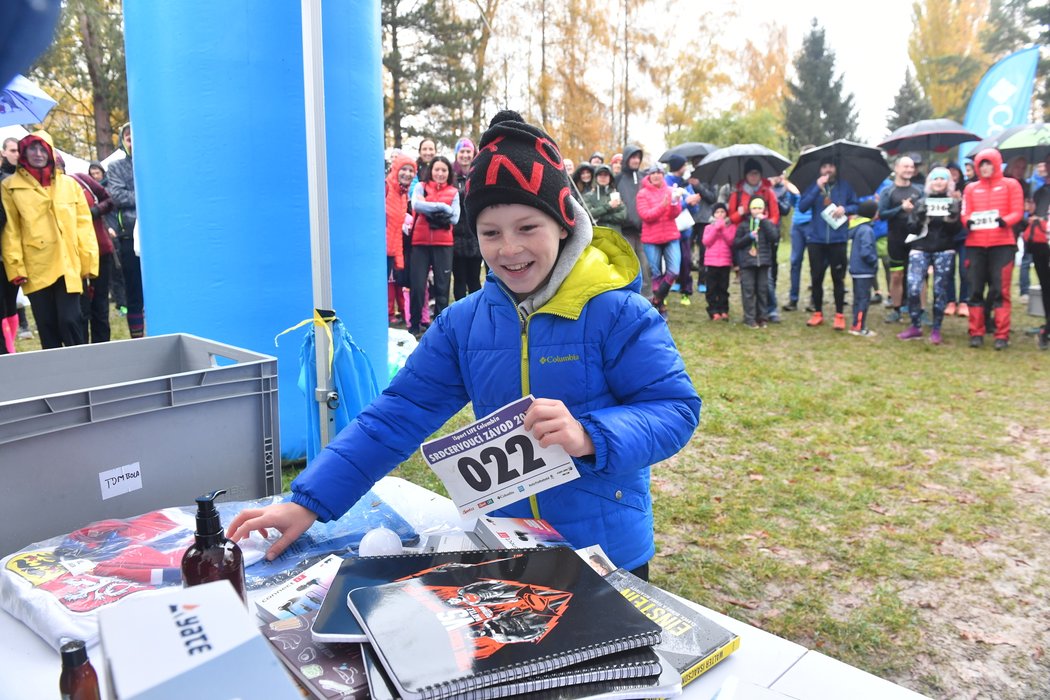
{"points": [[560, 317], [863, 264]]}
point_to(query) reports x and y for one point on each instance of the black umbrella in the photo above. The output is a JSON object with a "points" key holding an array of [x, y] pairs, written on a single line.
{"points": [[928, 135], [1029, 140], [727, 164], [863, 167], [689, 150]]}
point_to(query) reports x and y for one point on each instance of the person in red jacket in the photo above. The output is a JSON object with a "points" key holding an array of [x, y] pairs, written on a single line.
{"points": [[436, 206], [1036, 242], [991, 207], [753, 185], [402, 172], [94, 302], [658, 205]]}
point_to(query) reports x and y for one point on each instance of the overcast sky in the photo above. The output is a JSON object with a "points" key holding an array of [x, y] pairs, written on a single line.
{"points": [[870, 42]]}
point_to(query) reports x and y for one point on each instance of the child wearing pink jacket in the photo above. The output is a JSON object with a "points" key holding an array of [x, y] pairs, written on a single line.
{"points": [[718, 258]]}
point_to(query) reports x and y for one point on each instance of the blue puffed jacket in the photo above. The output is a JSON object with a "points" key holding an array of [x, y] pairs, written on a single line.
{"points": [[597, 345]]}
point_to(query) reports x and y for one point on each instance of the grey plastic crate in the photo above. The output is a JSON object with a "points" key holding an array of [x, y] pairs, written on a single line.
{"points": [[195, 415]]}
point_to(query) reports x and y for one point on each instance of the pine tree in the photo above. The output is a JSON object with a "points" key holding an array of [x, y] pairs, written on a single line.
{"points": [[910, 104], [815, 110], [428, 56]]}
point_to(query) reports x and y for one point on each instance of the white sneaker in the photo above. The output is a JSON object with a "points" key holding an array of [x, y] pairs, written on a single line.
{"points": [[26, 334]]}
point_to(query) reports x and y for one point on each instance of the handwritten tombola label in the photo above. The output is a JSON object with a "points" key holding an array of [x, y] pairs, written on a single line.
{"points": [[116, 482], [494, 461]]}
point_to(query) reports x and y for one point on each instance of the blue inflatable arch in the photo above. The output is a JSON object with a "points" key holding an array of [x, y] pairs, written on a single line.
{"points": [[215, 91]]}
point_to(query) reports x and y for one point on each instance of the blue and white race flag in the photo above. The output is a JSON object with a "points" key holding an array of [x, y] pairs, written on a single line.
{"points": [[1003, 98]]}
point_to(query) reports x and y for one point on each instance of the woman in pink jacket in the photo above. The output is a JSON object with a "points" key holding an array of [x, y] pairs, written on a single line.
{"points": [[718, 258], [658, 205]]}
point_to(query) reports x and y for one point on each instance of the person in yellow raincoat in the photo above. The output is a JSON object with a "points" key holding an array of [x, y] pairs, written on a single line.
{"points": [[48, 243]]}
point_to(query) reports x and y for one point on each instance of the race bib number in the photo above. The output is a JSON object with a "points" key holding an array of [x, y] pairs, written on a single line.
{"points": [[938, 206], [984, 220], [494, 461]]}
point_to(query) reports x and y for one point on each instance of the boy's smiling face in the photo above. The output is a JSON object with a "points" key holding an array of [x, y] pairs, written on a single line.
{"points": [[520, 244]]}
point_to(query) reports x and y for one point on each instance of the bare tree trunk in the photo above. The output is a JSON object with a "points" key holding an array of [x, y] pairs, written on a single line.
{"points": [[544, 106], [92, 56], [395, 83], [626, 68], [488, 14]]}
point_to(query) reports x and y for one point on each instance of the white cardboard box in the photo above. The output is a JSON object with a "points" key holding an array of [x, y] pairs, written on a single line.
{"points": [[197, 642]]}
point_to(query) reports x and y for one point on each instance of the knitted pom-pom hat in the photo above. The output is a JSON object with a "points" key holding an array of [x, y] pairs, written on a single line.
{"points": [[518, 163]]}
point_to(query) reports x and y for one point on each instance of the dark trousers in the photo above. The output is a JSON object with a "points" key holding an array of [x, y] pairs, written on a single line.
{"points": [[993, 268], [466, 275], [774, 273], [130, 264], [698, 240], [754, 290], [1041, 263], [821, 257], [685, 268], [861, 301], [718, 290], [94, 303], [798, 254], [57, 314], [425, 258]]}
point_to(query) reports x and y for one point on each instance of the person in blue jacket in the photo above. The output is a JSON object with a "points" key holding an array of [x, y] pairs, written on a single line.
{"points": [[561, 318], [826, 243], [863, 263]]}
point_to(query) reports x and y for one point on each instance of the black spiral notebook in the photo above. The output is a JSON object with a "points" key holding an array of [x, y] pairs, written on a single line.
{"points": [[455, 630], [335, 623], [665, 684]]}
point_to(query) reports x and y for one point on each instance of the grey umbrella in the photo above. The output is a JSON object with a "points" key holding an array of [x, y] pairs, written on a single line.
{"points": [[689, 150], [1029, 140], [863, 167], [727, 164], [928, 135]]}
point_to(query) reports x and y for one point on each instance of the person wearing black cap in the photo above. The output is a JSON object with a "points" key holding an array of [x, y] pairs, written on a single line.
{"points": [[596, 159], [560, 318]]}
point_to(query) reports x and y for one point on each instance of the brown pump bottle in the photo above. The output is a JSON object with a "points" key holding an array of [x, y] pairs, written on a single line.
{"points": [[212, 557], [78, 680]]}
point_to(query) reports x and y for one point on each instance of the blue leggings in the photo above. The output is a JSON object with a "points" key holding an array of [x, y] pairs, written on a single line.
{"points": [[918, 262]]}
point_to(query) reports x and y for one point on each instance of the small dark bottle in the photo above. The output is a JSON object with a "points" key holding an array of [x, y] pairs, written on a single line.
{"points": [[212, 557], [78, 680]]}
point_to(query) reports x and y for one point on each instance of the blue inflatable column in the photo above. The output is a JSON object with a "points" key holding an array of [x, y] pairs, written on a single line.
{"points": [[215, 92]]}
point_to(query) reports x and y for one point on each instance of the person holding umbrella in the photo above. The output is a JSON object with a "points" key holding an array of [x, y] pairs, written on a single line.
{"points": [[991, 207], [830, 200]]}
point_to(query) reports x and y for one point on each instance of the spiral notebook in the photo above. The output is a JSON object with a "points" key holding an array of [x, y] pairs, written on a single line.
{"points": [[335, 622], [665, 684], [456, 630]]}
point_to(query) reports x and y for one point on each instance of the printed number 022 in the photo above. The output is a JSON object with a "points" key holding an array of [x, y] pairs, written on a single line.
{"points": [[478, 477]]}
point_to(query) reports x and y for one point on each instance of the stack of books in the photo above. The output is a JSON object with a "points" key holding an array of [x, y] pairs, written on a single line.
{"points": [[537, 623]]}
